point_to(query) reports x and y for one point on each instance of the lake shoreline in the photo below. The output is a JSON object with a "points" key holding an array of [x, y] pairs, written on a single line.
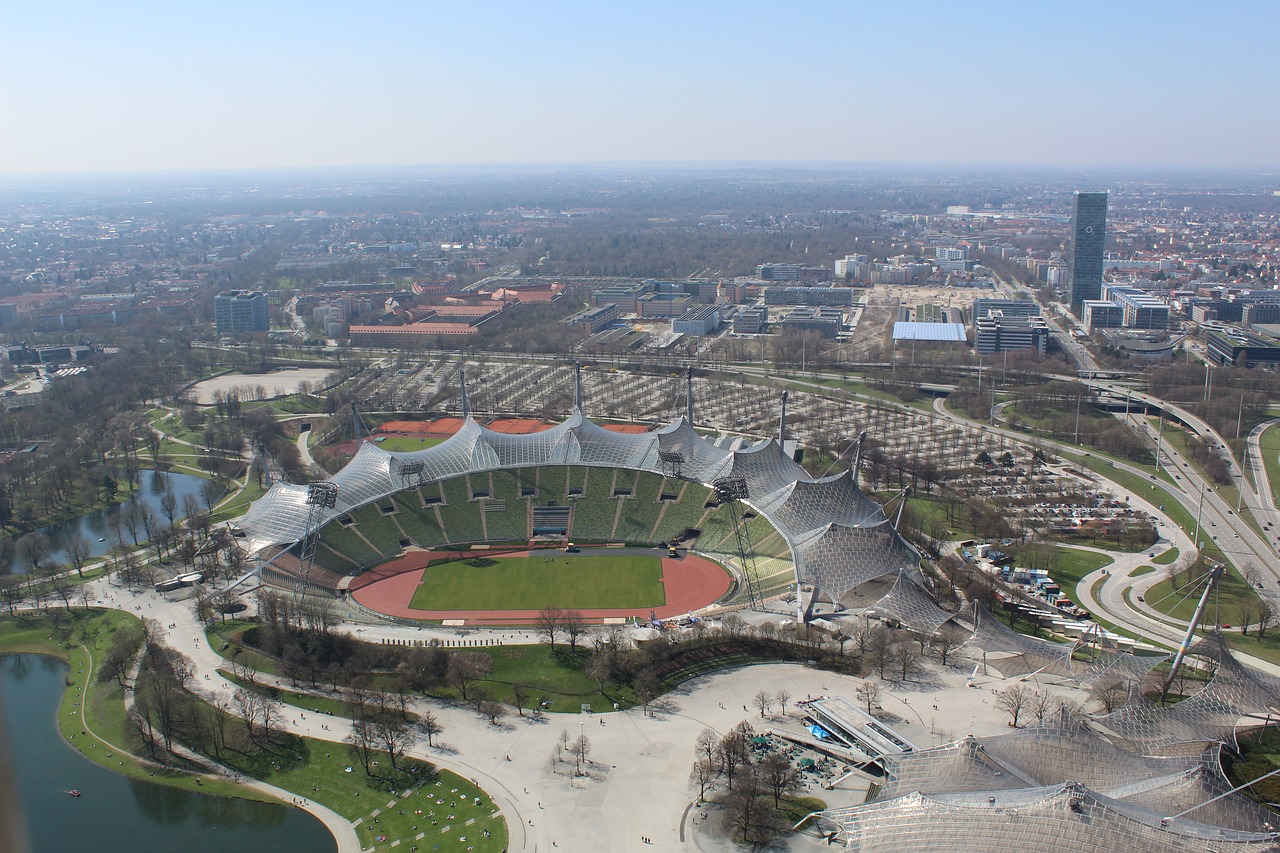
{"points": [[249, 789]]}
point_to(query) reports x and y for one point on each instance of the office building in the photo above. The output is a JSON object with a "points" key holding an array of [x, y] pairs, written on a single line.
{"points": [[702, 320], [1101, 314], [1088, 239], [238, 311], [825, 321], [750, 321], [995, 332]]}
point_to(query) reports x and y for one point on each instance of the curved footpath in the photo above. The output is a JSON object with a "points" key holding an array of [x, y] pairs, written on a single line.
{"points": [[642, 763]]}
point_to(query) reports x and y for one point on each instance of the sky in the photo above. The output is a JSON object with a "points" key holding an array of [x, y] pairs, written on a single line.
{"points": [[139, 86]]}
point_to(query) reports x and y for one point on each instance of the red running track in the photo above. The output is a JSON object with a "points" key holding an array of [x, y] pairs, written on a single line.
{"points": [[690, 583]]}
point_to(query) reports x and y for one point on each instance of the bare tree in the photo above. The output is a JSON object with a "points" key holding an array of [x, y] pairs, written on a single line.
{"points": [[763, 701], [944, 646], [877, 652], [362, 743], [491, 711], [393, 736], [1266, 617], [77, 549], [169, 503], [33, 549], [1013, 701], [733, 751], [429, 725], [782, 696], [646, 688], [1042, 702], [868, 694], [1109, 694], [705, 745], [780, 776], [906, 659], [548, 624], [580, 748], [572, 627], [704, 773], [466, 667]]}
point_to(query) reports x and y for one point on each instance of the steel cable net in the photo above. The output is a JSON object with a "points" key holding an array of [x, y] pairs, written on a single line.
{"points": [[841, 559], [703, 461], [808, 506], [907, 602], [1026, 654], [1234, 691], [1029, 820]]}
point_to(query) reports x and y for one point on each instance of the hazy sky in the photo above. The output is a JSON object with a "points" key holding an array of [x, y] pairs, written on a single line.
{"points": [[110, 86]]}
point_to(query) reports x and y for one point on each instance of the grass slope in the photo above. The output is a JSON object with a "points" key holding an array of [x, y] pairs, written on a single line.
{"points": [[532, 583]]}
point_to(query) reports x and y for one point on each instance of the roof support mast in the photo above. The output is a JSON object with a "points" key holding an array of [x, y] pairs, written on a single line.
{"points": [[1214, 574]]}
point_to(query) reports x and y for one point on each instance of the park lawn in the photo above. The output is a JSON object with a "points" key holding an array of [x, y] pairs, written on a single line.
{"points": [[1068, 567], [222, 638], [1224, 606], [934, 509], [317, 703], [553, 677], [1268, 648], [587, 581], [1166, 558], [317, 770], [238, 504], [407, 443]]}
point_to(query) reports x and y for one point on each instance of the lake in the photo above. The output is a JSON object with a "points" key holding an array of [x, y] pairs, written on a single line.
{"points": [[97, 525], [116, 814]]}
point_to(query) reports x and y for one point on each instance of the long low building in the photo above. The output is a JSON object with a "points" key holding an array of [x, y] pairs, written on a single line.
{"points": [[408, 333]]}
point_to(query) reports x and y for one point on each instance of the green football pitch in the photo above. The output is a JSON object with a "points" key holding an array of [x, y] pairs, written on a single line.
{"points": [[579, 582]]}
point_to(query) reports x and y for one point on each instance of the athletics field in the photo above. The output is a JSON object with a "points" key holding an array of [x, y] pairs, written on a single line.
{"points": [[510, 588], [569, 581]]}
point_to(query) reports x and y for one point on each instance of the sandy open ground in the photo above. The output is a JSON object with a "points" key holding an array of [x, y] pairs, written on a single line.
{"points": [[277, 384]]}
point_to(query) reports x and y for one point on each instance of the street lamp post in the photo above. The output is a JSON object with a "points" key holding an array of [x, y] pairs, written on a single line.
{"points": [[1159, 435], [1199, 512]]}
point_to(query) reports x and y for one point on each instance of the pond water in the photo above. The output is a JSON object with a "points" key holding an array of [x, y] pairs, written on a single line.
{"points": [[98, 525], [116, 814]]}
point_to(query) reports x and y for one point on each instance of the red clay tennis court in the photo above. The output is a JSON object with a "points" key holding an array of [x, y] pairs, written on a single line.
{"points": [[690, 583], [439, 426], [518, 426]]}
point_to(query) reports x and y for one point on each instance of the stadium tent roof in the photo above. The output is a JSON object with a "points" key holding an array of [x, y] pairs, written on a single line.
{"points": [[803, 510], [1046, 819], [911, 330]]}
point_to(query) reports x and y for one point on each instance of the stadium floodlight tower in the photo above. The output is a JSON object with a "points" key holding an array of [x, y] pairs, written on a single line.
{"points": [[412, 470], [732, 491], [672, 462], [320, 497]]}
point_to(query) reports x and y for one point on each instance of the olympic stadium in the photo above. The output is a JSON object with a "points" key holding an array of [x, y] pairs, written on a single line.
{"points": [[1144, 777]]}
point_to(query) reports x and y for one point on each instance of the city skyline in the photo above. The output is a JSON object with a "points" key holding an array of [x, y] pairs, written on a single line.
{"points": [[157, 88]]}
